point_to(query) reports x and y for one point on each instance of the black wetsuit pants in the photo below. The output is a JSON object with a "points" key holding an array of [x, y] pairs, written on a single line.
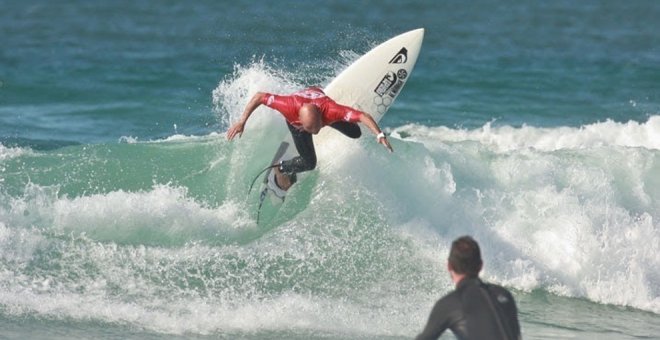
{"points": [[305, 145]]}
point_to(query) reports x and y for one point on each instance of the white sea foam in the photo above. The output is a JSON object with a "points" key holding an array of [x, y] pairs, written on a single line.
{"points": [[12, 152], [128, 139], [507, 138], [163, 215], [7, 154], [571, 211], [576, 216]]}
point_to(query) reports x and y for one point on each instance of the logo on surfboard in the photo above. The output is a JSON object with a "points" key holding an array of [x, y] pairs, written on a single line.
{"points": [[401, 57], [386, 83], [391, 83]]}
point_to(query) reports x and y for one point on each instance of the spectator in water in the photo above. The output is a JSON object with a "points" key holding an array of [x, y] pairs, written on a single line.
{"points": [[474, 310]]}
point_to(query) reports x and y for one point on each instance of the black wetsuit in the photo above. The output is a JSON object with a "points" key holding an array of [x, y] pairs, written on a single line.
{"points": [[475, 310], [305, 146]]}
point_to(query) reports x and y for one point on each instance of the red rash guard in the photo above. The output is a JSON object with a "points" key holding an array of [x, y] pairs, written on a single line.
{"points": [[331, 112]]}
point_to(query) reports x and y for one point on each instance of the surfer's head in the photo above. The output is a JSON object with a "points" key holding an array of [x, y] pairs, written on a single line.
{"points": [[310, 118], [465, 257]]}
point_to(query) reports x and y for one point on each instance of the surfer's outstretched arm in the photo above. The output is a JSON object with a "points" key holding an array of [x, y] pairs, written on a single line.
{"points": [[369, 121], [237, 128]]}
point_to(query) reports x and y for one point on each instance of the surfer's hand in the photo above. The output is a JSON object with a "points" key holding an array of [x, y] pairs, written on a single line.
{"points": [[385, 143], [236, 129]]}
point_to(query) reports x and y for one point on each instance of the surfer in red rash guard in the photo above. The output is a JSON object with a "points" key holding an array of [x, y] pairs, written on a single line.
{"points": [[306, 112]]}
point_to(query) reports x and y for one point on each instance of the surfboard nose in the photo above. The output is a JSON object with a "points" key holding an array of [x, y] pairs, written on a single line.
{"points": [[416, 35]]}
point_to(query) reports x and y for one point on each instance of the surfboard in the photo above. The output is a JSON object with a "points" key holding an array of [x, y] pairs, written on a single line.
{"points": [[370, 84]]}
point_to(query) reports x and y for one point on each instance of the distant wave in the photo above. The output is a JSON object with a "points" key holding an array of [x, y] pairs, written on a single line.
{"points": [[36, 144], [506, 138]]}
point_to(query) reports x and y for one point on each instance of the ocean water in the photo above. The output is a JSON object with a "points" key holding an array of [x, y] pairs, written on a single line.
{"points": [[534, 127]]}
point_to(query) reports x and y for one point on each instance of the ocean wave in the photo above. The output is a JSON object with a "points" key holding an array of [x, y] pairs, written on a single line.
{"points": [[161, 216], [171, 138], [507, 138], [368, 232]]}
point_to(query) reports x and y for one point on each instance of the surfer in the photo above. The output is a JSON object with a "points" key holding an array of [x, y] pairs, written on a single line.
{"points": [[475, 310], [306, 112]]}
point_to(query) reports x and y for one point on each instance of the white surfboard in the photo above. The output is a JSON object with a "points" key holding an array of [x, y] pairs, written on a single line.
{"points": [[373, 81], [370, 84]]}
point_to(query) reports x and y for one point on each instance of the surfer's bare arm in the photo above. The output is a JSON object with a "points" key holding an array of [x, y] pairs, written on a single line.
{"points": [[237, 128], [369, 121]]}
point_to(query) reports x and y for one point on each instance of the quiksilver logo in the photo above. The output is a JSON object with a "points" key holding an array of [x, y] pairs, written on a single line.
{"points": [[401, 57]]}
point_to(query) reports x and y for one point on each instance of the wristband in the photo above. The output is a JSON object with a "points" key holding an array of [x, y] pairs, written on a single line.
{"points": [[380, 135]]}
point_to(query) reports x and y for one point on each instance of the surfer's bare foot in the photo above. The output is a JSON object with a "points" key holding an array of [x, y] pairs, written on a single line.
{"points": [[283, 180]]}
